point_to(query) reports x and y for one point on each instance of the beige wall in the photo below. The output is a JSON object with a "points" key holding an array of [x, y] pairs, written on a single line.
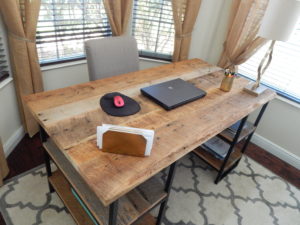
{"points": [[210, 30], [280, 126], [278, 132], [9, 114], [11, 130], [64, 75]]}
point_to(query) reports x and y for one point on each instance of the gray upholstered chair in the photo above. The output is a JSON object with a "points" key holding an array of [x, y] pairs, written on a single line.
{"points": [[111, 56]]}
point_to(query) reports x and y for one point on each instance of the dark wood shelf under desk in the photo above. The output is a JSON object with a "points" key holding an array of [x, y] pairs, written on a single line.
{"points": [[215, 162], [228, 135], [244, 131], [133, 207], [63, 189]]}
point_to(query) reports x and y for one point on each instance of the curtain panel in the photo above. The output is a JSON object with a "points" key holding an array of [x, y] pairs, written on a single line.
{"points": [[3, 165], [118, 13], [20, 17], [242, 41], [185, 13]]}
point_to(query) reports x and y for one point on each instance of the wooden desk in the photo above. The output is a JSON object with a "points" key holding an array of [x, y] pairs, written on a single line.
{"points": [[70, 116]]}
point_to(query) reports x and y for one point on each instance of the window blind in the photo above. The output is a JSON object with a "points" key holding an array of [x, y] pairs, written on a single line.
{"points": [[283, 74], [64, 25], [3, 61], [153, 28]]}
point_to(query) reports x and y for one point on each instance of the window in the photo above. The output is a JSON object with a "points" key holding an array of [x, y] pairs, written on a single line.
{"points": [[153, 28], [64, 25], [3, 61], [283, 73]]}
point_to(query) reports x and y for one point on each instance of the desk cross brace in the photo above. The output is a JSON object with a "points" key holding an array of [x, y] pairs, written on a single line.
{"points": [[222, 173], [167, 189]]}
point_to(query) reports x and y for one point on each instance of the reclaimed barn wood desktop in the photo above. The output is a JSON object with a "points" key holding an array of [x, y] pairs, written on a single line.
{"points": [[108, 182]]}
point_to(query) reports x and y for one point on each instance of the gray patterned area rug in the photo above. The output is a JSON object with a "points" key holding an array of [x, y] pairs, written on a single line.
{"points": [[250, 195]]}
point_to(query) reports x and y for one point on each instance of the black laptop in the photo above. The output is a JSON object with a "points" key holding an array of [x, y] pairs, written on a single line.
{"points": [[173, 93]]}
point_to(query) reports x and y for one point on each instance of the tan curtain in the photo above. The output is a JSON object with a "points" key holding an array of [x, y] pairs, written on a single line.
{"points": [[184, 14], [242, 41], [118, 12], [21, 18], [3, 165]]}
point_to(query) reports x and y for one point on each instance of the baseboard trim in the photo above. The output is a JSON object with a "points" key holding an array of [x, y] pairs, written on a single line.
{"points": [[276, 150], [12, 142]]}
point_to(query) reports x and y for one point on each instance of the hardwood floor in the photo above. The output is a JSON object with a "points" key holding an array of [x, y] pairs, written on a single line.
{"points": [[276, 165], [29, 154]]}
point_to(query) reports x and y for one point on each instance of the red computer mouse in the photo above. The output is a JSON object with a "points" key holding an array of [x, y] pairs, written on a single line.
{"points": [[118, 101]]}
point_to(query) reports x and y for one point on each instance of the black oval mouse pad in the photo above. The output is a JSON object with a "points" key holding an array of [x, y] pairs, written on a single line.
{"points": [[107, 104]]}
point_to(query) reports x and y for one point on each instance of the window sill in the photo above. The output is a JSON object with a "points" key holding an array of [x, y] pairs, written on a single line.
{"points": [[154, 60], [5, 82], [279, 96], [83, 61], [62, 65]]}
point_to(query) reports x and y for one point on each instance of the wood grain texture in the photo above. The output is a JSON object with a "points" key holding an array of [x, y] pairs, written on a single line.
{"points": [[147, 219], [228, 135], [80, 186], [132, 206], [215, 162], [124, 143], [63, 189], [70, 117]]}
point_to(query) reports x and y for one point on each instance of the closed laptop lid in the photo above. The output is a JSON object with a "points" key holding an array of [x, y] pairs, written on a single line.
{"points": [[173, 93]]}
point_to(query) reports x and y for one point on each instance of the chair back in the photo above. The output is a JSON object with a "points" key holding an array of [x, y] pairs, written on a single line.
{"points": [[111, 56]]}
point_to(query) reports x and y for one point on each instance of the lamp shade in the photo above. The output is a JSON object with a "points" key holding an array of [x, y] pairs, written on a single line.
{"points": [[280, 19]]}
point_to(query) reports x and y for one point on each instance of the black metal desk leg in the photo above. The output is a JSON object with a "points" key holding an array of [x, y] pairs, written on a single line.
{"points": [[261, 113], [235, 140], [48, 169], [113, 212], [167, 189], [43, 137]]}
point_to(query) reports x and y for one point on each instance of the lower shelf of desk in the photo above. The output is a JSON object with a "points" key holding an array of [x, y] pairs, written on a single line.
{"points": [[133, 207], [228, 135], [63, 189], [215, 162]]}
